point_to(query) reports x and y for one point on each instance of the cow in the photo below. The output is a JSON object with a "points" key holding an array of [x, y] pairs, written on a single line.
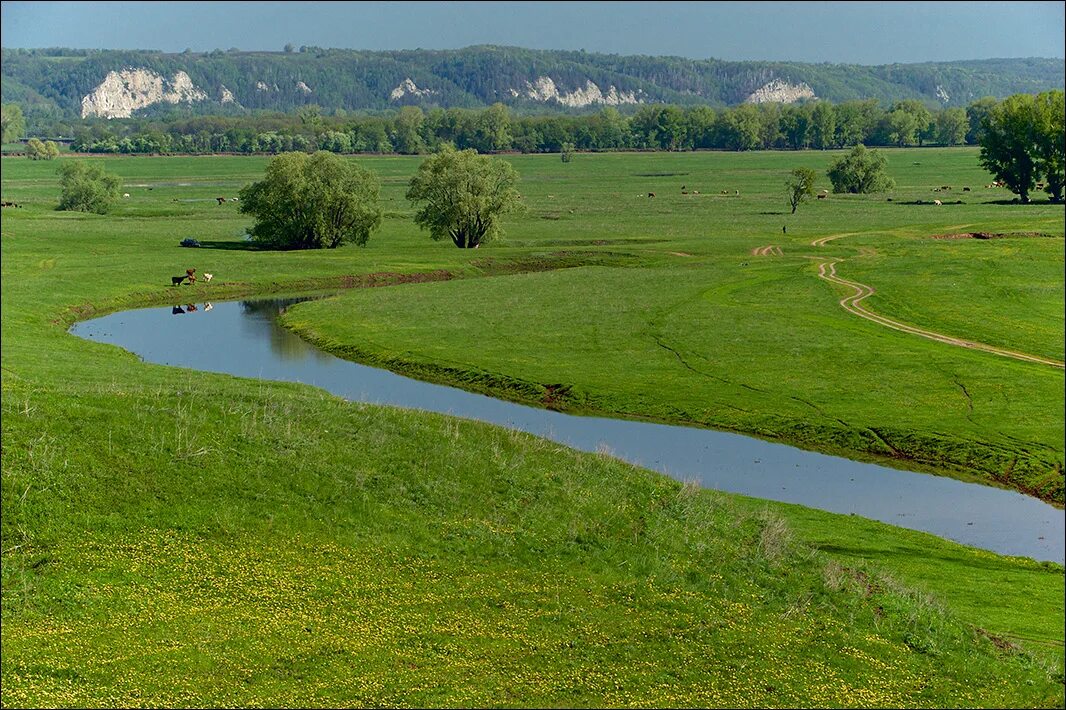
{"points": [[822, 195], [651, 194], [125, 195], [221, 200], [938, 203], [965, 189]]}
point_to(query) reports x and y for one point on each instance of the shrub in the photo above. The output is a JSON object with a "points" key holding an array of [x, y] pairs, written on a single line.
{"points": [[87, 188]]}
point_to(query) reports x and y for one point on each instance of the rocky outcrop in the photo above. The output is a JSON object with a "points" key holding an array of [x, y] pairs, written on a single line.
{"points": [[780, 92], [123, 92], [225, 96], [544, 89], [942, 94], [303, 87], [408, 88]]}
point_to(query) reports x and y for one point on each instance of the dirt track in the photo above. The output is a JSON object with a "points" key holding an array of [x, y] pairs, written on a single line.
{"points": [[853, 304]]}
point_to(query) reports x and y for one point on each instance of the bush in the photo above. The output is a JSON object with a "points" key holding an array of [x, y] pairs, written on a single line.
{"points": [[87, 188], [859, 172], [41, 150]]}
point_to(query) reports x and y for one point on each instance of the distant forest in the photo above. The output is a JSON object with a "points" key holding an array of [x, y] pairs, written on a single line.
{"points": [[410, 130], [49, 84], [486, 98]]}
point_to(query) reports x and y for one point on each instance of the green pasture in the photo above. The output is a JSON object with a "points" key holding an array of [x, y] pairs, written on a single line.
{"points": [[181, 538]]}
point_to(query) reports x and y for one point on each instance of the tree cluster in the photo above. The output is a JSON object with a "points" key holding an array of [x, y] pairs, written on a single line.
{"points": [[411, 130], [322, 200]]}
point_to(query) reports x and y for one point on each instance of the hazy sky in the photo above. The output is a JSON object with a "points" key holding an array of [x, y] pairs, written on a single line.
{"points": [[848, 32]]}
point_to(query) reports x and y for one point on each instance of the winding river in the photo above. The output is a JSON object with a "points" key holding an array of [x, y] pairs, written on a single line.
{"points": [[242, 338]]}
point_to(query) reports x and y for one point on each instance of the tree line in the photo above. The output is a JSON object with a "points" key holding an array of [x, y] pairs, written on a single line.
{"points": [[411, 131]]}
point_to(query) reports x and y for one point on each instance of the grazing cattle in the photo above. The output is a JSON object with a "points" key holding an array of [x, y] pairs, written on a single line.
{"points": [[938, 203], [125, 195], [822, 195], [6, 203], [965, 189], [783, 230], [737, 192], [208, 277], [176, 310], [695, 192], [220, 200], [651, 194], [945, 187], [175, 280], [191, 275], [725, 192], [683, 188], [683, 192]]}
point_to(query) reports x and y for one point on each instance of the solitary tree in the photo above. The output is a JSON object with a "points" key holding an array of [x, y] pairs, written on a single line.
{"points": [[859, 172], [567, 152], [800, 186], [1008, 143], [463, 195], [311, 202], [87, 188]]}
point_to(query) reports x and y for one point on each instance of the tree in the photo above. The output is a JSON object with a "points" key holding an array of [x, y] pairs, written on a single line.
{"points": [[1050, 110], [1008, 143], [289, 49], [951, 126], [463, 195], [12, 122], [800, 186], [312, 201], [87, 187], [859, 172], [567, 152]]}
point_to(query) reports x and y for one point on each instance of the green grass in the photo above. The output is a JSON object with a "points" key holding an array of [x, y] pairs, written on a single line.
{"points": [[181, 538], [707, 333]]}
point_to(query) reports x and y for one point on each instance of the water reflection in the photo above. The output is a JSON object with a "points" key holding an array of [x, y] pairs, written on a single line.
{"points": [[242, 338]]}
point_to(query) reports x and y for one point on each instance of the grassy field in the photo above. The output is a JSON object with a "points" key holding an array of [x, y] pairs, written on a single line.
{"points": [[180, 538]]}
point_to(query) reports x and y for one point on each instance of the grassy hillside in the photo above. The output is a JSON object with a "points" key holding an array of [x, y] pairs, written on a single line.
{"points": [[181, 538], [56, 80]]}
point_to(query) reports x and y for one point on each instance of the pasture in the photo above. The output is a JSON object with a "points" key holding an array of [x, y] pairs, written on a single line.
{"points": [[181, 538]]}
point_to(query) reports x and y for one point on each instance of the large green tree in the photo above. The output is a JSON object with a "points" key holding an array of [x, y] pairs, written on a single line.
{"points": [[859, 172], [462, 196], [86, 187], [1050, 113], [1021, 140], [312, 201]]}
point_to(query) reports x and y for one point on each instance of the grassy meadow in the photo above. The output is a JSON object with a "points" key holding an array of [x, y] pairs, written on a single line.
{"points": [[182, 538]]}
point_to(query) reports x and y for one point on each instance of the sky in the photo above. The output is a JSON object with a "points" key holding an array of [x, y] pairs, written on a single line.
{"points": [[835, 32]]}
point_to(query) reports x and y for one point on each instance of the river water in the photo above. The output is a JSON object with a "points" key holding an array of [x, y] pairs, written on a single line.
{"points": [[242, 338]]}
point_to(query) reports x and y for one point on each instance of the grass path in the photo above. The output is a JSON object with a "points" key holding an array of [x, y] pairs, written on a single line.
{"points": [[853, 304]]}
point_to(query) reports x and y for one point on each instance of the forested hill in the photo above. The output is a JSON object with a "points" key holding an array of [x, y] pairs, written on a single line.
{"points": [[64, 84]]}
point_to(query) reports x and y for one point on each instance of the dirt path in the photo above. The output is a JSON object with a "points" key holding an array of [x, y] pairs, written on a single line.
{"points": [[853, 304], [767, 251], [821, 241]]}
